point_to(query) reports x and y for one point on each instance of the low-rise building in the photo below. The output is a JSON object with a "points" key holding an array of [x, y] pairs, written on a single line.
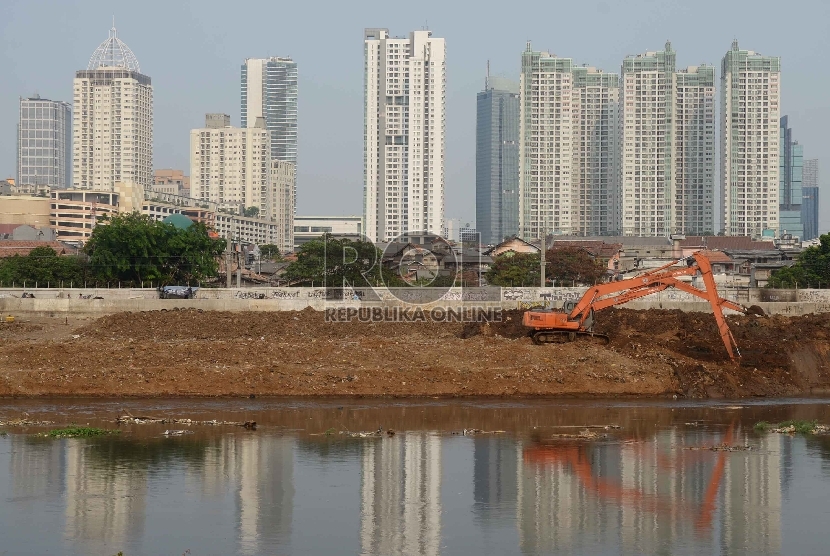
{"points": [[75, 212], [24, 209], [307, 228], [171, 181]]}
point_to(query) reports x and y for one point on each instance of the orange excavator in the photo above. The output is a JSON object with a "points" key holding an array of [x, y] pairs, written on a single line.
{"points": [[576, 319]]}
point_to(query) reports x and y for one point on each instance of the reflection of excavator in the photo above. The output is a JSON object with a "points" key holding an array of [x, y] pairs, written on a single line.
{"points": [[577, 318]]}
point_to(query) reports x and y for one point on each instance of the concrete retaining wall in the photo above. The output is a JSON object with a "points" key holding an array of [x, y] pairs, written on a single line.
{"points": [[83, 302]]}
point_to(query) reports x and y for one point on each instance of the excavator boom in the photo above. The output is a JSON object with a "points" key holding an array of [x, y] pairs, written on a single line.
{"points": [[550, 326]]}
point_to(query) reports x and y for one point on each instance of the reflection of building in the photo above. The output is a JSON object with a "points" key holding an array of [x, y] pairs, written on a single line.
{"points": [[260, 472], [103, 505], [400, 495], [751, 499], [37, 468], [494, 476], [651, 496]]}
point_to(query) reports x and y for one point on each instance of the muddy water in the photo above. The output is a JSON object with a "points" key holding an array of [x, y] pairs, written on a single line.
{"points": [[290, 488]]}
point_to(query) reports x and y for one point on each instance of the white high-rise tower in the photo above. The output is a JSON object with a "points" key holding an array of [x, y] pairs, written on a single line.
{"points": [[404, 91], [112, 127], [750, 113]]}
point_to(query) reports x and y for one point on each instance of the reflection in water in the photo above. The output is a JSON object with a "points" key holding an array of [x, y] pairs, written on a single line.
{"points": [[259, 472], [400, 495], [495, 459], [645, 489], [105, 502], [654, 494]]}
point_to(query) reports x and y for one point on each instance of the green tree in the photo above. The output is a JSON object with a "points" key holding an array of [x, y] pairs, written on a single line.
{"points": [[270, 252], [42, 266], [573, 264], [250, 212], [811, 270], [514, 269], [339, 263], [133, 248]]}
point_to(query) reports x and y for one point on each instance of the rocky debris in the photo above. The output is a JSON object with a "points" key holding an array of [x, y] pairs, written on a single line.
{"points": [[25, 423], [584, 434], [176, 432], [129, 419], [793, 429], [722, 448], [366, 434]]}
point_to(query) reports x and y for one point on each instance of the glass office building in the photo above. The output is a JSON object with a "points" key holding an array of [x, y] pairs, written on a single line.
{"points": [[809, 203], [44, 143], [269, 90], [497, 160], [791, 162]]}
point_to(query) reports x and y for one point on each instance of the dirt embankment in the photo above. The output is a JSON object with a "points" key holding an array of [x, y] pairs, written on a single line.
{"points": [[188, 352]]}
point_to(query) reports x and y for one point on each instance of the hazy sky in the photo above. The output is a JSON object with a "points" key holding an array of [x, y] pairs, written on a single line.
{"points": [[193, 52]]}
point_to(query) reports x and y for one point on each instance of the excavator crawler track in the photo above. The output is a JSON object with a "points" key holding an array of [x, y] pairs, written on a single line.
{"points": [[562, 336]]}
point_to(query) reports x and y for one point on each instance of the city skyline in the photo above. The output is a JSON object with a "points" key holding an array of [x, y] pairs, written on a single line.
{"points": [[340, 171]]}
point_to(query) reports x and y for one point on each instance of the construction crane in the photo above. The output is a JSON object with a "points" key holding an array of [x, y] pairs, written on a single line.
{"points": [[576, 319]]}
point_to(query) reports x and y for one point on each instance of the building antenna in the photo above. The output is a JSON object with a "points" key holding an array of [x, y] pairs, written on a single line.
{"points": [[487, 79]]}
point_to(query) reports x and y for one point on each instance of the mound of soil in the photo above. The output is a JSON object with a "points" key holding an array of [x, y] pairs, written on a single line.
{"points": [[195, 353]]}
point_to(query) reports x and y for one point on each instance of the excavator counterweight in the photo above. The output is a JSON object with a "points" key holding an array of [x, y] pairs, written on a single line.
{"points": [[577, 319]]}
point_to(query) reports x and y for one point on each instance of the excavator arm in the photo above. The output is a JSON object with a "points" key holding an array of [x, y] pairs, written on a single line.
{"points": [[603, 296]]}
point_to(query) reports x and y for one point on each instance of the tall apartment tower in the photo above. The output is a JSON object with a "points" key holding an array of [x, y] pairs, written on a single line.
{"points": [[809, 204], [112, 128], [269, 91], [750, 111], [693, 194], [281, 202], [597, 155], [497, 160], [546, 201], [648, 109], [568, 148], [44, 143], [790, 192], [403, 167], [668, 134], [231, 165]]}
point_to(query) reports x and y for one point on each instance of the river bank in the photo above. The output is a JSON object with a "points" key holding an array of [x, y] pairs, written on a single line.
{"points": [[655, 353]]}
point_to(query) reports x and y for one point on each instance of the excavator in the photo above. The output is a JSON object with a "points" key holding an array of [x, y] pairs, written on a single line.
{"points": [[576, 319]]}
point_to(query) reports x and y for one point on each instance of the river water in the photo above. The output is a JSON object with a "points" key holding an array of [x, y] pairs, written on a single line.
{"points": [[300, 484]]}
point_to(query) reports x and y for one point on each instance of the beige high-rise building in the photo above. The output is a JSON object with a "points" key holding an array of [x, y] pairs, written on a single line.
{"points": [[750, 115], [232, 167], [280, 202], [404, 90], [568, 148], [112, 124]]}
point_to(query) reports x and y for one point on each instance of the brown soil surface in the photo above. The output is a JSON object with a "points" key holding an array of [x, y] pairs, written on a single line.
{"points": [[189, 352]]}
